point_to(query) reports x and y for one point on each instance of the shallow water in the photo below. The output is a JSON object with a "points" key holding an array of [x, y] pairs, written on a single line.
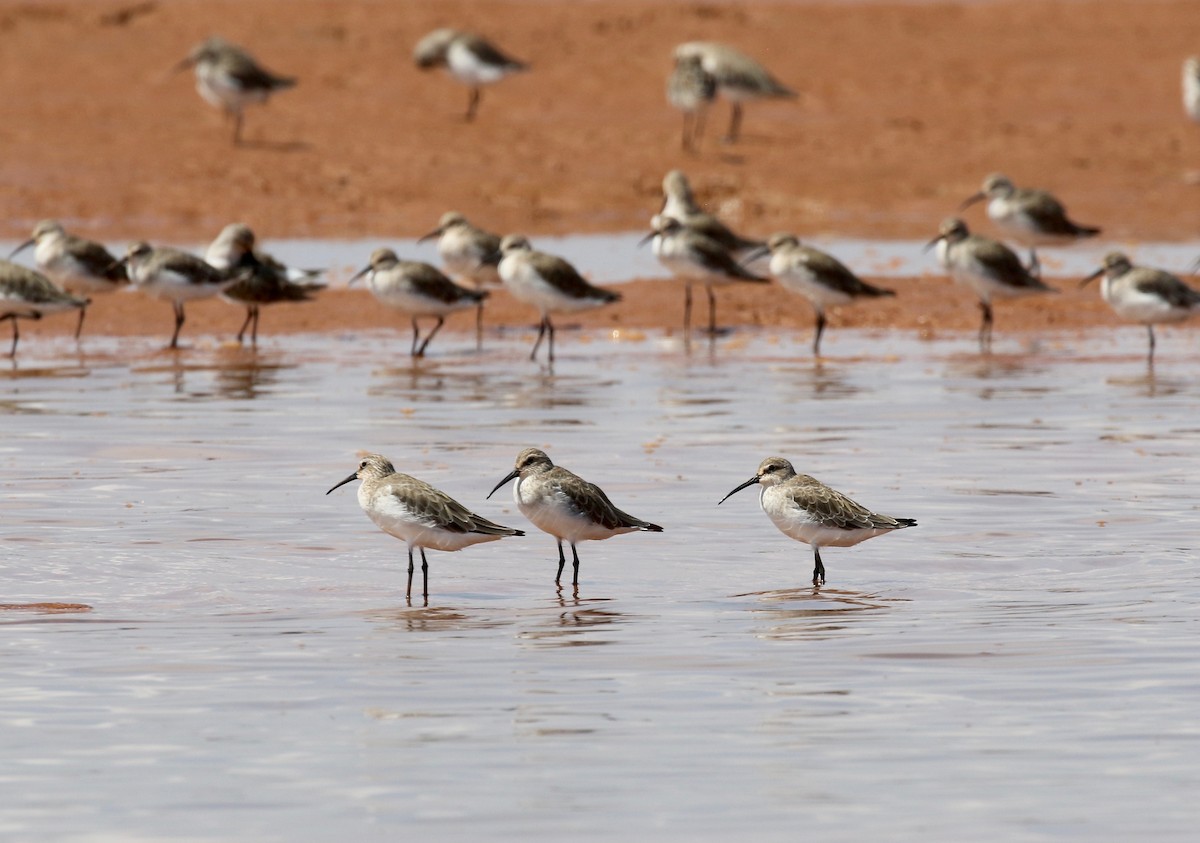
{"points": [[1022, 665]]}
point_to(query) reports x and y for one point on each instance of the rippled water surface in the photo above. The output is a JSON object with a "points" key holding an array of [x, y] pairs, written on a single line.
{"points": [[1021, 666]]}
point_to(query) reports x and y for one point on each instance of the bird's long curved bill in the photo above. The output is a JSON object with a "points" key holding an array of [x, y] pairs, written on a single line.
{"points": [[755, 254], [358, 275], [647, 239], [512, 475], [932, 243], [21, 248], [1089, 279], [971, 200], [437, 232], [353, 476], [749, 482]]}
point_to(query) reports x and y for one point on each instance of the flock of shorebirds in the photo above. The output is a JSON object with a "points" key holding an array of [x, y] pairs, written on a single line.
{"points": [[693, 244]]}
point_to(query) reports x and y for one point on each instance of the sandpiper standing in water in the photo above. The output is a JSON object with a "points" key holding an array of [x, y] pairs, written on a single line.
{"points": [[28, 294], [469, 58], [548, 283], [805, 509], [418, 289], [819, 277], [1145, 295], [82, 267], [1031, 217], [691, 90], [261, 280], [679, 203], [470, 254], [566, 506], [418, 514], [179, 277], [229, 78], [987, 266], [738, 77]]}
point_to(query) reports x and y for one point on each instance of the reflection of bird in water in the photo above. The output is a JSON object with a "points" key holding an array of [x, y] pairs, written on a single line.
{"points": [[1144, 295], [418, 514], [566, 506], [261, 280], [79, 266], [469, 58], [738, 78], [27, 294], [229, 78], [805, 509]]}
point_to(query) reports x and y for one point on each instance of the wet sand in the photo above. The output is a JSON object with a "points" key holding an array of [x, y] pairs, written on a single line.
{"points": [[903, 109]]}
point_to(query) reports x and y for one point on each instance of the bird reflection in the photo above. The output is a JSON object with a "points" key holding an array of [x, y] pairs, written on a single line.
{"points": [[814, 613]]}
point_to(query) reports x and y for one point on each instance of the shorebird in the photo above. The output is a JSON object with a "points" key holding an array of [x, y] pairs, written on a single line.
{"points": [[1145, 295], [167, 273], [418, 514], [1191, 88], [987, 266], [738, 77], [548, 283], [77, 265], [468, 57], [261, 280], [691, 90], [805, 509], [418, 289], [470, 254], [566, 506], [28, 294], [696, 259], [1031, 217], [680, 203], [819, 277], [229, 78]]}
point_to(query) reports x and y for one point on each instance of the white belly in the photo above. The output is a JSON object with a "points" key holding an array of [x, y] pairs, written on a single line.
{"points": [[797, 524], [552, 512], [1136, 306], [527, 285], [401, 296], [390, 515]]}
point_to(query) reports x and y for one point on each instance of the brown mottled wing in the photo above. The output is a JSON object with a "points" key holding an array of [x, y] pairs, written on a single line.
{"points": [[437, 509], [1050, 215], [430, 281], [1166, 286], [836, 510], [714, 229], [96, 259], [189, 266], [1004, 264], [247, 72], [717, 259], [264, 283], [487, 52], [839, 275], [565, 277], [33, 288], [591, 501]]}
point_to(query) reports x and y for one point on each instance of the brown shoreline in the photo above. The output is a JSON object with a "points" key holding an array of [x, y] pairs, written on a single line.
{"points": [[904, 108]]}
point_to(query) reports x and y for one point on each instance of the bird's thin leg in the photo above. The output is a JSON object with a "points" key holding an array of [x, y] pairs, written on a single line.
{"points": [[408, 592], [246, 324], [1149, 330], [687, 310], [440, 321], [562, 560], [254, 329], [1035, 268], [472, 104], [79, 324], [735, 122], [575, 564], [479, 327], [820, 330], [179, 317], [538, 341], [424, 575], [819, 571], [698, 127], [412, 349], [550, 331], [712, 310], [237, 127], [12, 352], [985, 328]]}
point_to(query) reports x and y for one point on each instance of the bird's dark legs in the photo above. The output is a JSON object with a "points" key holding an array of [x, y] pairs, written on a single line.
{"points": [[479, 327], [820, 330], [246, 324], [575, 564], [424, 575], [254, 329], [412, 349], [562, 560], [550, 330], [408, 592], [712, 310], [687, 310], [79, 324], [472, 104], [12, 352], [819, 571], [237, 127], [735, 122], [1149, 330], [985, 329], [421, 351], [178, 324], [541, 333]]}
